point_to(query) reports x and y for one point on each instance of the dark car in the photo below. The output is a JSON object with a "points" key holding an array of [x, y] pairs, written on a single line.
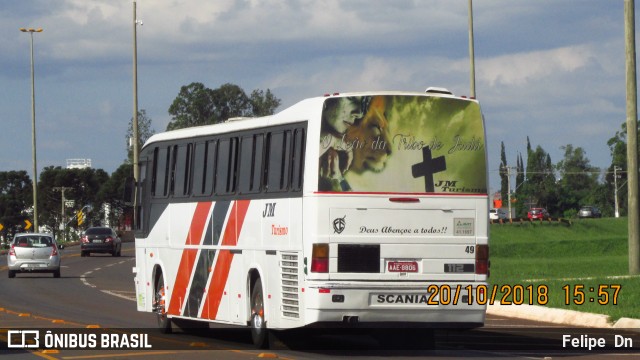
{"points": [[100, 240], [589, 212], [33, 252], [537, 213]]}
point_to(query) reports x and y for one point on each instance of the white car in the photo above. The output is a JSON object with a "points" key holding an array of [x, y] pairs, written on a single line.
{"points": [[33, 252], [497, 214]]}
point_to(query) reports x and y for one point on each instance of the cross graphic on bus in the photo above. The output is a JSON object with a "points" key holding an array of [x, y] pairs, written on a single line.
{"points": [[427, 168]]}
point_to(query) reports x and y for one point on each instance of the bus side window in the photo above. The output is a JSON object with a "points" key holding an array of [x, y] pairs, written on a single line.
{"points": [[278, 164], [297, 160], [182, 159], [249, 175], [203, 168], [227, 166], [199, 167], [172, 169], [161, 171], [154, 172], [139, 194]]}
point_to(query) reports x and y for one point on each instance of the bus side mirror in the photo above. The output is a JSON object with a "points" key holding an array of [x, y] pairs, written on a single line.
{"points": [[129, 191]]}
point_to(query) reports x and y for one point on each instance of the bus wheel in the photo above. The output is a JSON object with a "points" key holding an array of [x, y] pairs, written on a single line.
{"points": [[164, 323], [258, 325]]}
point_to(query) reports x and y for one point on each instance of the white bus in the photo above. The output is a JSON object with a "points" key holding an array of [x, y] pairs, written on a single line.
{"points": [[358, 210]]}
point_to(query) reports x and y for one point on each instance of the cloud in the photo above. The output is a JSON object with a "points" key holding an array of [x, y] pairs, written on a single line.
{"points": [[522, 68]]}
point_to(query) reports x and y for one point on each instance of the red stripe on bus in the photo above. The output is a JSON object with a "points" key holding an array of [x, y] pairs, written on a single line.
{"points": [[194, 237], [223, 264]]}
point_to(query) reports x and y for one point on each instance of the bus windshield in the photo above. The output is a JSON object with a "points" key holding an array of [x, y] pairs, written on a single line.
{"points": [[402, 144]]}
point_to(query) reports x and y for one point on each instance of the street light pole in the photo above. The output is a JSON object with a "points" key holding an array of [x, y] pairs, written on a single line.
{"points": [[33, 133], [136, 174], [136, 136], [472, 73]]}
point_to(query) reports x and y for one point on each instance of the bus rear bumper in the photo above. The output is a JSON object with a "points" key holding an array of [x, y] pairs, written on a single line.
{"points": [[369, 305]]}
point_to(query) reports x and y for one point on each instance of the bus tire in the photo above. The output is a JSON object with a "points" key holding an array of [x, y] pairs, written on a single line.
{"points": [[259, 331], [164, 323]]}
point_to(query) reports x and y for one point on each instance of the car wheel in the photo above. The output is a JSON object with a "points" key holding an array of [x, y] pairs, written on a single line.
{"points": [[83, 253], [56, 274], [120, 250], [259, 331], [12, 274], [159, 305]]}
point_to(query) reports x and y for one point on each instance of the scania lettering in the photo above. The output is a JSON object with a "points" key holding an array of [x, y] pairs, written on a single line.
{"points": [[340, 210]]}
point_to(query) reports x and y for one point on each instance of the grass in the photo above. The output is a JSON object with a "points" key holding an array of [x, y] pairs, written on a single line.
{"points": [[560, 258]]}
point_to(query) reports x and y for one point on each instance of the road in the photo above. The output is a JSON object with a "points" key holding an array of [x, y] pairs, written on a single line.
{"points": [[96, 293]]}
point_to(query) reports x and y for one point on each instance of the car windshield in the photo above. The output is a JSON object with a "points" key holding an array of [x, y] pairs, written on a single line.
{"points": [[98, 231], [33, 241]]}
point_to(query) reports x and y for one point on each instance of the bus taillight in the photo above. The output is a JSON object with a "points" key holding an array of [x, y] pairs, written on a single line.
{"points": [[320, 258], [482, 260]]}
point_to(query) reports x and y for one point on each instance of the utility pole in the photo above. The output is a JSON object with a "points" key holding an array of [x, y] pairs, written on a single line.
{"points": [[472, 52], [632, 136], [62, 189], [615, 188], [508, 170]]}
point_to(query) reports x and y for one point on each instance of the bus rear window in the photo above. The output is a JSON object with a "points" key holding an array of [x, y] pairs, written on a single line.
{"points": [[402, 144]]}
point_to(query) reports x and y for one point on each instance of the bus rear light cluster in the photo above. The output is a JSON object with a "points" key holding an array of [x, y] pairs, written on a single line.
{"points": [[320, 258], [482, 260]]}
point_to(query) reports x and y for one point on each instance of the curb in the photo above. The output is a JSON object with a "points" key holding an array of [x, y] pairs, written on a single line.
{"points": [[562, 317]]}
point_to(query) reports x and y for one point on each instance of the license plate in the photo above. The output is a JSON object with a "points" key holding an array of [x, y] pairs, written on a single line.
{"points": [[402, 266], [35, 266], [97, 241]]}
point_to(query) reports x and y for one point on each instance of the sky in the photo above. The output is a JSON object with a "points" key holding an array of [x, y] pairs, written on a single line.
{"points": [[550, 70]]}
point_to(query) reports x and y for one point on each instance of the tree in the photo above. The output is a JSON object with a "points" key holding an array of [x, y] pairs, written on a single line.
{"points": [[112, 193], [262, 103], [144, 133], [618, 147], [198, 105], [192, 107], [578, 179], [85, 186], [16, 192], [230, 101], [504, 174], [539, 186]]}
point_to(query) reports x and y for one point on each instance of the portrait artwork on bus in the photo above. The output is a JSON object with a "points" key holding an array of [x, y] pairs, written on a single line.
{"points": [[402, 144]]}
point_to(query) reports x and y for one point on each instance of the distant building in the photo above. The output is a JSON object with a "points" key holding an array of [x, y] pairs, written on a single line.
{"points": [[78, 163]]}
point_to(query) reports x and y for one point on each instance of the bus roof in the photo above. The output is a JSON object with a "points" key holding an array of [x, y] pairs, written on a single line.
{"points": [[308, 109]]}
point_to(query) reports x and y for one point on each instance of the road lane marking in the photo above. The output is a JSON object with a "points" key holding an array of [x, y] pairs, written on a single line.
{"points": [[117, 293]]}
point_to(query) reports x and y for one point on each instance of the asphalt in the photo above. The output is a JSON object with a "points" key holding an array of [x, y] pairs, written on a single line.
{"points": [[554, 316]]}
